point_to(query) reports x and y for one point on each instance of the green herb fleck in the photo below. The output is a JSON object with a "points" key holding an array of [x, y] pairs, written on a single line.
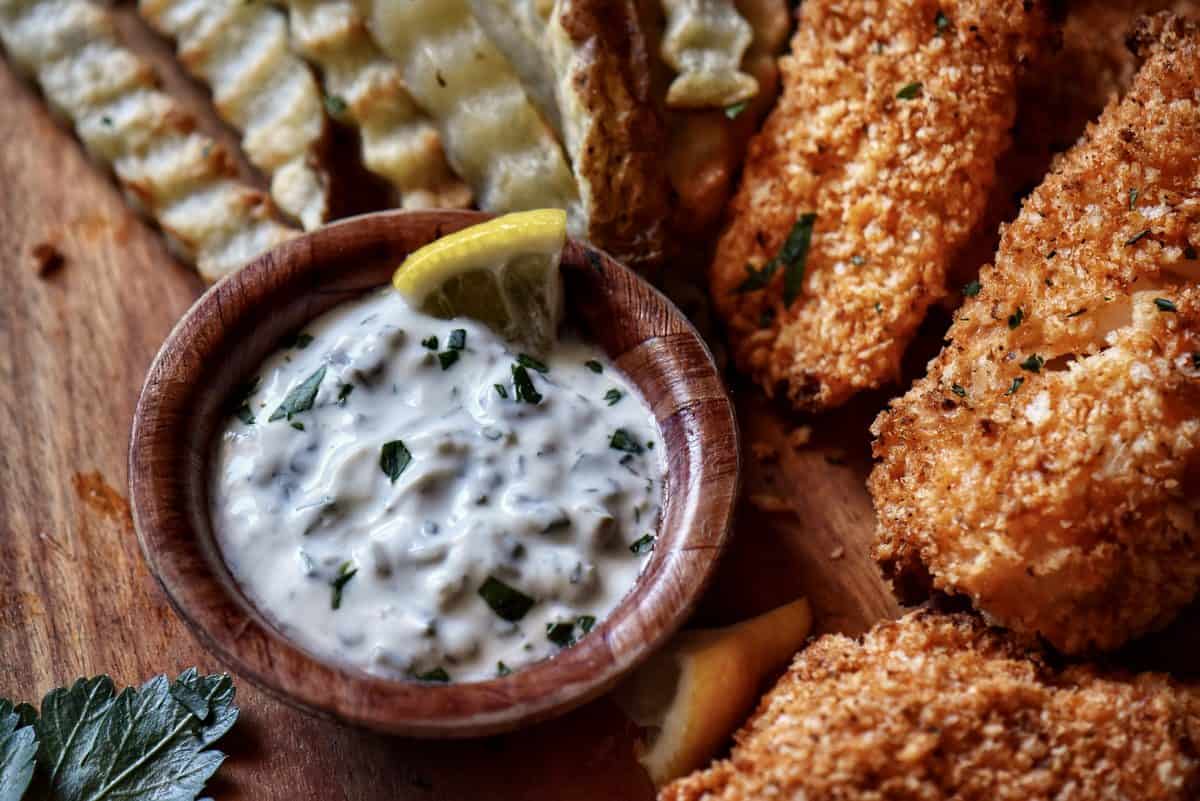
{"points": [[296, 424], [501, 390], [594, 366], [457, 339], [1133, 240], [857, 260], [1077, 313], [613, 396], [910, 90], [438, 675], [735, 111], [447, 358], [561, 634], [344, 392], [1016, 318], [106, 120], [1165, 305], [301, 398], [1033, 364], [586, 622], [523, 384], [972, 289], [793, 257], [430, 342], [622, 440], [642, 545], [941, 22], [958, 390], [878, 307], [1016, 384], [245, 415], [507, 602], [344, 574], [527, 361], [394, 459], [502, 669], [1133, 196], [335, 105], [302, 341]]}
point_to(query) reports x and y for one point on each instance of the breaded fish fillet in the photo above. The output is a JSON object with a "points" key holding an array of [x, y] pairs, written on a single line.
{"points": [[935, 707], [1048, 466], [890, 123]]}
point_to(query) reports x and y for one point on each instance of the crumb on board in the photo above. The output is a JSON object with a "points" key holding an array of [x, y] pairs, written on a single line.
{"points": [[764, 451], [46, 258]]}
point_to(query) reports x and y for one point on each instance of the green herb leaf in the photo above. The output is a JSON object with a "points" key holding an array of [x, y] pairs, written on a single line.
{"points": [[344, 574], [525, 360], [1165, 305], [438, 674], [910, 90], [523, 385], [586, 622], [241, 403], [298, 425], [1133, 240], [457, 339], [1016, 384], [431, 343], [561, 634], [394, 459], [972, 289], [1016, 318], [335, 105], [18, 750], [794, 256], [447, 358], [501, 390], [507, 602], [622, 440], [757, 279], [1133, 196], [857, 260], [303, 340], [343, 393], [941, 22], [1033, 364], [502, 669], [613, 396], [643, 544], [735, 111], [594, 366], [148, 743], [958, 390], [301, 398], [1077, 313], [245, 415]]}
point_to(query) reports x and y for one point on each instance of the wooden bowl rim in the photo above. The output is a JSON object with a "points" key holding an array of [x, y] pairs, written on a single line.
{"points": [[209, 602]]}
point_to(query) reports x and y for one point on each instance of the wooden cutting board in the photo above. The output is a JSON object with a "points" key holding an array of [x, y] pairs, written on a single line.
{"points": [[76, 599]]}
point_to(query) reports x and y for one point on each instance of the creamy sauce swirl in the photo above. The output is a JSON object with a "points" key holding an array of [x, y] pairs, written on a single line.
{"points": [[439, 510]]}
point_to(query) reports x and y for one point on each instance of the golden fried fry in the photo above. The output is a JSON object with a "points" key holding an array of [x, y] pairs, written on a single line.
{"points": [[891, 120], [1048, 466], [935, 707], [178, 176]]}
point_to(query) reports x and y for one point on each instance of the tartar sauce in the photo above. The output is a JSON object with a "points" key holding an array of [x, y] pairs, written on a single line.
{"points": [[416, 498]]}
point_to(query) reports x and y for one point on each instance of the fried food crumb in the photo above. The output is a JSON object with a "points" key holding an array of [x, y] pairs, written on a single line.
{"points": [[1047, 465], [837, 553], [934, 707], [888, 131], [46, 259]]}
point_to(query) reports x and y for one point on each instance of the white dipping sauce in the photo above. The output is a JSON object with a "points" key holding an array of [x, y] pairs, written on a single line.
{"points": [[513, 529]]}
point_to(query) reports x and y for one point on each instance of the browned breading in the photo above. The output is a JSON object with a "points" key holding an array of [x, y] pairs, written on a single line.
{"points": [[890, 123], [935, 707], [1048, 466]]}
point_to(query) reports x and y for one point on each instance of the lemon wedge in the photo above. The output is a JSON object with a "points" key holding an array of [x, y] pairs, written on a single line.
{"points": [[503, 272], [691, 696]]}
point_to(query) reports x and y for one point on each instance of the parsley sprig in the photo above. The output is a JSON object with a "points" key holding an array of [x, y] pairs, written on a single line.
{"points": [[792, 257]]}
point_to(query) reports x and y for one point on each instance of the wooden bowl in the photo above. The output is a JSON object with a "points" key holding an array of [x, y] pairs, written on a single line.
{"points": [[226, 336]]}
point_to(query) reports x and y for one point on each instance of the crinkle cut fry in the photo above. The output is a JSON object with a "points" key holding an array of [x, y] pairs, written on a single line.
{"points": [[173, 173], [1048, 466], [891, 120], [934, 707]]}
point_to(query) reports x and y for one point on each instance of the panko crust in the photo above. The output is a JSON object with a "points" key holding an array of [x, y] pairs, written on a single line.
{"points": [[1065, 501], [937, 707], [888, 130]]}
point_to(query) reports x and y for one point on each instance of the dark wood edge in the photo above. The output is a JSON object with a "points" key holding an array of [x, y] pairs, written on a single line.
{"points": [[236, 323]]}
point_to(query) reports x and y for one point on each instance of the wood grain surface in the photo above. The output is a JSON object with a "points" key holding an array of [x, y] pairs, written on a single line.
{"points": [[76, 598]]}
